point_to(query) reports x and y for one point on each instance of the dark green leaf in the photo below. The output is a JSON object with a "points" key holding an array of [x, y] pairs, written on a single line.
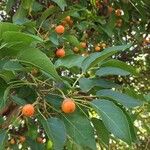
{"points": [[18, 100], [55, 130], [87, 84], [114, 119], [80, 130], [61, 3], [37, 58], [101, 131], [105, 71], [3, 135], [70, 61], [95, 58], [122, 98]]}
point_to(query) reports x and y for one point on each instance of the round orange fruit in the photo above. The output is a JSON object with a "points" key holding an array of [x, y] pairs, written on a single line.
{"points": [[60, 52], [60, 29], [28, 110]]}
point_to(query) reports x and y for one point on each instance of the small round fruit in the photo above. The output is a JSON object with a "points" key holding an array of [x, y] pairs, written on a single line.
{"points": [[118, 12], [83, 45], [97, 48], [60, 29], [75, 49], [34, 72], [22, 139], [60, 52], [70, 22], [68, 106], [39, 140], [103, 45], [68, 18], [12, 141], [28, 110], [64, 23]]}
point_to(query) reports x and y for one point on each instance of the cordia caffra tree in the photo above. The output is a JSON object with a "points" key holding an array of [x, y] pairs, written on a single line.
{"points": [[57, 68]]}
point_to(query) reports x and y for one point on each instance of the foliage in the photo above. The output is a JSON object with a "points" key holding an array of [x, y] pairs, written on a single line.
{"points": [[30, 72]]}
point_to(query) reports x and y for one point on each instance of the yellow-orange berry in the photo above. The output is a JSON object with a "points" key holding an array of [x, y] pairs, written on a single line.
{"points": [[28, 110], [68, 106], [60, 52], [60, 29]]}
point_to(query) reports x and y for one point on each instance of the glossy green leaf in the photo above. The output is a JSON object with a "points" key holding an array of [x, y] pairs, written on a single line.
{"points": [[113, 118], [61, 3], [13, 66], [95, 58], [23, 38], [80, 130], [121, 98], [101, 131], [18, 100], [70, 61], [87, 84], [54, 38], [3, 135], [5, 26], [56, 131], [121, 65], [105, 71], [37, 58], [72, 40]]}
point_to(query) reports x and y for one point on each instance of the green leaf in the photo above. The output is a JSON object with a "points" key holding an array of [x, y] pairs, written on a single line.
{"points": [[5, 26], [23, 38], [54, 38], [101, 131], [27, 4], [61, 3], [9, 5], [80, 130], [95, 58], [3, 135], [113, 118], [37, 58], [87, 84], [119, 64], [122, 98], [72, 40], [105, 71], [7, 75], [13, 66], [70, 61], [56, 131], [18, 100]]}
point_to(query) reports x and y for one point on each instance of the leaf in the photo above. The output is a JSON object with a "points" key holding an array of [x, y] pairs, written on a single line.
{"points": [[23, 38], [95, 58], [18, 100], [7, 75], [54, 38], [122, 98], [61, 3], [3, 135], [56, 131], [5, 26], [72, 40], [37, 58], [27, 4], [80, 130], [87, 84], [119, 64], [105, 71], [113, 118], [13, 66], [70, 61], [101, 131]]}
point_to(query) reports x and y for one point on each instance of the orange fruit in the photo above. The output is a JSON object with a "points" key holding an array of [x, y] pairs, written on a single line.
{"points": [[64, 23], [118, 12], [39, 140], [68, 106], [97, 48], [103, 45], [70, 22], [60, 52], [34, 72], [22, 139], [83, 45], [60, 29], [28, 110], [68, 18], [75, 49], [12, 141]]}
